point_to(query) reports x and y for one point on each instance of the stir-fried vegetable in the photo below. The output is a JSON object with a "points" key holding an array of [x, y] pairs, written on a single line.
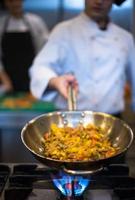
{"points": [[77, 143]]}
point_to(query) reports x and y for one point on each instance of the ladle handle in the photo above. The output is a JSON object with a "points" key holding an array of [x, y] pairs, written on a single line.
{"points": [[71, 98]]}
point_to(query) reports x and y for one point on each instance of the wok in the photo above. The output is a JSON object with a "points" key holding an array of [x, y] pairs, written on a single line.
{"points": [[118, 132]]}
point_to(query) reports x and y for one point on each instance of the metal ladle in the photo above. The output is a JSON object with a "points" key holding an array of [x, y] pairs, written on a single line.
{"points": [[71, 98]]}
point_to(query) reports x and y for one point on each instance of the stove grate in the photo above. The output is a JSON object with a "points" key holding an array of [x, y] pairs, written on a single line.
{"points": [[18, 181]]}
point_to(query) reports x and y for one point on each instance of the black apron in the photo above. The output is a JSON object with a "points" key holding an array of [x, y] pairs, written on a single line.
{"points": [[18, 52]]}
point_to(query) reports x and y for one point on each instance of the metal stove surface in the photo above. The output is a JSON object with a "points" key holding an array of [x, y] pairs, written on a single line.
{"points": [[89, 195], [33, 182]]}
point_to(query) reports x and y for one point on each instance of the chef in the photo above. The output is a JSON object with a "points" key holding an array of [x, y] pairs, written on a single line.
{"points": [[21, 37], [96, 51]]}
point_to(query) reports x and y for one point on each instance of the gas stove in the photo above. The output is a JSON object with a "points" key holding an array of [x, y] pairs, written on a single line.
{"points": [[38, 182]]}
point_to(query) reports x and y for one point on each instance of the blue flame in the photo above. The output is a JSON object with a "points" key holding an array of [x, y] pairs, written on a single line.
{"points": [[70, 185]]}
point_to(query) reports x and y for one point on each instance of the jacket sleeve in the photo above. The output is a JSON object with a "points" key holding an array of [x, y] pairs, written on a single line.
{"points": [[48, 64], [131, 69]]}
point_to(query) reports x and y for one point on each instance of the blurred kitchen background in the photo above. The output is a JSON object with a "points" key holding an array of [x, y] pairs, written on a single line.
{"points": [[12, 120], [54, 11]]}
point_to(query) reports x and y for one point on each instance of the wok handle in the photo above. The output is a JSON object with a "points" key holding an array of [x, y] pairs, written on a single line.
{"points": [[71, 98], [82, 172]]}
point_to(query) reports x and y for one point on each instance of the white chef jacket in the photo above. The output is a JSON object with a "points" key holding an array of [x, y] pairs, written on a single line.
{"points": [[99, 60], [35, 25]]}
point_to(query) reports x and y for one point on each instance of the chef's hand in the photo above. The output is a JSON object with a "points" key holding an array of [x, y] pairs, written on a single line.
{"points": [[61, 84], [6, 85]]}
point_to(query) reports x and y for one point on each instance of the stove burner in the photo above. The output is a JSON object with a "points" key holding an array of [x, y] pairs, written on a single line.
{"points": [[70, 185], [33, 181]]}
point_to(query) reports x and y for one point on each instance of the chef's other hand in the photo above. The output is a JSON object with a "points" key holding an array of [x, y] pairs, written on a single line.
{"points": [[5, 85], [61, 84]]}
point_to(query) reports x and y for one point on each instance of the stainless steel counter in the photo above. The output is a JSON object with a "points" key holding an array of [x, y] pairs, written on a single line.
{"points": [[16, 119]]}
